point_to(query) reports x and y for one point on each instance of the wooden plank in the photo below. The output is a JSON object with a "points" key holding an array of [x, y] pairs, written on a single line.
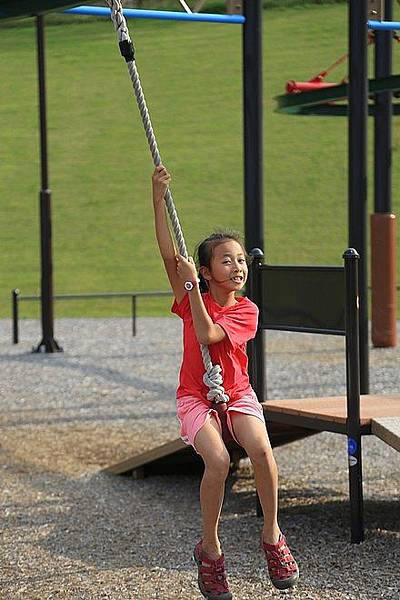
{"points": [[172, 454], [334, 408], [388, 430], [135, 462]]}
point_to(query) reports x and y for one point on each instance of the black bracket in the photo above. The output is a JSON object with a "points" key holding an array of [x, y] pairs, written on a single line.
{"points": [[127, 50]]}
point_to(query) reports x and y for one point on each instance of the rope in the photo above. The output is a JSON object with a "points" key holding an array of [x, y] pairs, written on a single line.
{"points": [[212, 377]]}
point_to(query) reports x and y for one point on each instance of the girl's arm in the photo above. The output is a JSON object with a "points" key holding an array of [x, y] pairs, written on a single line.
{"points": [[207, 332], [161, 179]]}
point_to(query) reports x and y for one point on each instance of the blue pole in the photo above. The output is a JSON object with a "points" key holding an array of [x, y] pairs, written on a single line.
{"points": [[165, 15], [384, 25]]}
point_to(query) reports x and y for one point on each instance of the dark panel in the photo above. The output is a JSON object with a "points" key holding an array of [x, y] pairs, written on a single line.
{"points": [[298, 298], [10, 9]]}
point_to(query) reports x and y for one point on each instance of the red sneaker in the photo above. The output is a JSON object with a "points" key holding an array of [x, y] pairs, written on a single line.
{"points": [[282, 567], [212, 577]]}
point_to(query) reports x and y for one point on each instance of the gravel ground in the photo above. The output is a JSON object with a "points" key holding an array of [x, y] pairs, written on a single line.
{"points": [[69, 531]]}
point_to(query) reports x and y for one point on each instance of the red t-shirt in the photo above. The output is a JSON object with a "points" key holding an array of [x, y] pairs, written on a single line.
{"points": [[240, 325]]}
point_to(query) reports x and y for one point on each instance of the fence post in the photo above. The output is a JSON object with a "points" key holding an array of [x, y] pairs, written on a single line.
{"points": [[133, 315], [14, 305]]}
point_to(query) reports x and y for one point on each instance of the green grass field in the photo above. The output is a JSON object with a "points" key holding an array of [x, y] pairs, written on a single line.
{"points": [[100, 166]]}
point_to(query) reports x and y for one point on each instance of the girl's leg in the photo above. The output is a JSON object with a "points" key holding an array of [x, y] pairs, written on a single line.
{"points": [[216, 459], [252, 434]]}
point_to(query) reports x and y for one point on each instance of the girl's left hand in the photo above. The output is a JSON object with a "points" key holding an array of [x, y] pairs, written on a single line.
{"points": [[186, 268]]}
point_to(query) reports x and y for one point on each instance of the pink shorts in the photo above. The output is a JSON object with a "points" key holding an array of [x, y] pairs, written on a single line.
{"points": [[193, 412]]}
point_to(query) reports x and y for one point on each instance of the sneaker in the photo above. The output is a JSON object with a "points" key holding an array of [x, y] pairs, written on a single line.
{"points": [[212, 577], [282, 567]]}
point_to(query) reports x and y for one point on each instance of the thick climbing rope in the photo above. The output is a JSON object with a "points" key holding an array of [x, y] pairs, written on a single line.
{"points": [[212, 376]]}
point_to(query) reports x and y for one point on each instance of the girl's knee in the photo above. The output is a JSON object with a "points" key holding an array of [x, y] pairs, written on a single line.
{"points": [[262, 455], [217, 464]]}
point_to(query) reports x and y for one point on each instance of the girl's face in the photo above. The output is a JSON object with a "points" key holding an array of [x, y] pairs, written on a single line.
{"points": [[228, 267]]}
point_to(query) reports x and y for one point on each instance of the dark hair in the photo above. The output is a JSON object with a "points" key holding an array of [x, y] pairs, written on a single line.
{"points": [[204, 250]]}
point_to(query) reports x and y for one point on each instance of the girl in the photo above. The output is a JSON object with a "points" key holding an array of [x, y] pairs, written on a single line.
{"points": [[224, 323]]}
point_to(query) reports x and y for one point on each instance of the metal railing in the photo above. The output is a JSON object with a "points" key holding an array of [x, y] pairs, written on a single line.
{"points": [[16, 298]]}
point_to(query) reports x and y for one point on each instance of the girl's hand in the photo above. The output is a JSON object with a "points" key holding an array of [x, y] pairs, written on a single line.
{"points": [[161, 180], [186, 268]]}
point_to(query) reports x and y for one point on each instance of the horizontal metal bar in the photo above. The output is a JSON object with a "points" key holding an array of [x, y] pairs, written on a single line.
{"points": [[302, 329], [299, 268], [164, 15], [101, 295], [384, 25]]}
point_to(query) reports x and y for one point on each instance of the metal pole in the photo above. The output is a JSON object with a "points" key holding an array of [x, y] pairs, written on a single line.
{"points": [[357, 165], [48, 343], [383, 119], [351, 258], [383, 222], [133, 316], [253, 125], [256, 346], [14, 304]]}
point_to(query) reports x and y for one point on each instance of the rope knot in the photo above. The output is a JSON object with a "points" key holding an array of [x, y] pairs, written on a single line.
{"points": [[213, 379]]}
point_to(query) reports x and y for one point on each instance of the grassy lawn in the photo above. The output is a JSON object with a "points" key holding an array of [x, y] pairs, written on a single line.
{"points": [[100, 166]]}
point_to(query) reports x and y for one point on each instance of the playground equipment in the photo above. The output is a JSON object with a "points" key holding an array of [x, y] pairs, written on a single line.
{"points": [[283, 428], [162, 15], [325, 300], [317, 97], [309, 299], [299, 308]]}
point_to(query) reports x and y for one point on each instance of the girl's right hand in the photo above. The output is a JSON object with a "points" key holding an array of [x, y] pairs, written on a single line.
{"points": [[161, 180]]}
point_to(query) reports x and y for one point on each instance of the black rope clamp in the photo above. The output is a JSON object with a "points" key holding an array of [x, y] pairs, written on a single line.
{"points": [[127, 50]]}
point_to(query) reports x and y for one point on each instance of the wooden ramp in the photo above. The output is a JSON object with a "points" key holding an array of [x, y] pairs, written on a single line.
{"points": [[330, 413], [176, 457], [388, 430], [287, 421]]}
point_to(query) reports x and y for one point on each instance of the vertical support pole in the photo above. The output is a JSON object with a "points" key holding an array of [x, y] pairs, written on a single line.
{"points": [[383, 280], [253, 125], [15, 306], [133, 315], [383, 119], [351, 258], [357, 165], [255, 348], [383, 222], [48, 343]]}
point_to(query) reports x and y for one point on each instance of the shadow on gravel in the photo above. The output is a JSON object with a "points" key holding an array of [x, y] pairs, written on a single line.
{"points": [[105, 374], [94, 516], [104, 522]]}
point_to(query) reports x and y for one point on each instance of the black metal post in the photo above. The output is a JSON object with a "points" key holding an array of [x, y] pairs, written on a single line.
{"points": [[14, 304], [253, 125], [358, 113], [351, 258], [255, 347], [383, 119], [48, 343], [133, 316]]}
